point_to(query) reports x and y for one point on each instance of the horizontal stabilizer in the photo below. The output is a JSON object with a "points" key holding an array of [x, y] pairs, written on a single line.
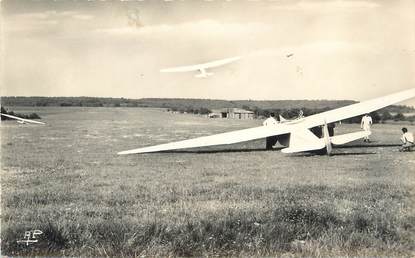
{"points": [[303, 148], [345, 138]]}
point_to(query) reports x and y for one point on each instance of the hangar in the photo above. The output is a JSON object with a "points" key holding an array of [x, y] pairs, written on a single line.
{"points": [[235, 113]]}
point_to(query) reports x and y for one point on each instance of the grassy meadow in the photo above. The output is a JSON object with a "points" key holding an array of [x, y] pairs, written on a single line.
{"points": [[66, 180]]}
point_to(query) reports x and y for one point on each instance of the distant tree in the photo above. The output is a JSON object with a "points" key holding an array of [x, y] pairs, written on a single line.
{"points": [[411, 119], [189, 110], [257, 111], [41, 103], [246, 107], [204, 111], [385, 115], [307, 111], [33, 116], [353, 120], [290, 113], [375, 117], [4, 111], [399, 117]]}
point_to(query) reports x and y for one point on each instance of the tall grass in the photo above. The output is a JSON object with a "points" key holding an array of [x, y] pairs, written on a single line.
{"points": [[306, 220]]}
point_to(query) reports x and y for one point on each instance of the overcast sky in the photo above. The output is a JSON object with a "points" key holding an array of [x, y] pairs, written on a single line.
{"points": [[341, 49]]}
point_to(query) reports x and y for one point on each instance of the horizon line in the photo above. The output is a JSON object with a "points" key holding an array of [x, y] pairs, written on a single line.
{"points": [[407, 105]]}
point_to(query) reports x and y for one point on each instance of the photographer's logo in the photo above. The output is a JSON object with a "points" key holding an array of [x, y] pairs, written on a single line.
{"points": [[30, 237]]}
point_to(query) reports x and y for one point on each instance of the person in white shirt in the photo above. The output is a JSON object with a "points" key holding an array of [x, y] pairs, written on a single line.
{"points": [[366, 125], [272, 140], [407, 140], [270, 120]]}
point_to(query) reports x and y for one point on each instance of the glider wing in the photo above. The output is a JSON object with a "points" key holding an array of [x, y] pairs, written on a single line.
{"points": [[23, 119], [221, 62], [358, 108], [217, 139], [197, 67]]}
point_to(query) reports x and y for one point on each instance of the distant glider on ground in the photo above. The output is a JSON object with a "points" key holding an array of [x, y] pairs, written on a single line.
{"points": [[22, 120], [303, 134], [201, 67]]}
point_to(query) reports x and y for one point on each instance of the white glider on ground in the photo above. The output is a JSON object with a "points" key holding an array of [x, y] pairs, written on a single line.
{"points": [[22, 120], [303, 134], [201, 67]]}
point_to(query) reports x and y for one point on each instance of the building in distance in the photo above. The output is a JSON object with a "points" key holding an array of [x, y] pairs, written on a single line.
{"points": [[233, 113]]}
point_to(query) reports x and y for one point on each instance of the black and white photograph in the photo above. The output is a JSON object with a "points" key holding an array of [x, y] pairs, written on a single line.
{"points": [[207, 128]]}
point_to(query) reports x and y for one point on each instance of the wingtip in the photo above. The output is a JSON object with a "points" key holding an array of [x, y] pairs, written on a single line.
{"points": [[235, 58], [123, 153], [129, 152]]}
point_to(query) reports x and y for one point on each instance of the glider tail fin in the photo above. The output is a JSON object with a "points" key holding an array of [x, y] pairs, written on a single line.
{"points": [[303, 140], [282, 119]]}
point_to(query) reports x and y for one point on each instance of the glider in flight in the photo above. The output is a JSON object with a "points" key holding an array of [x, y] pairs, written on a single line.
{"points": [[310, 133], [201, 67], [22, 120]]}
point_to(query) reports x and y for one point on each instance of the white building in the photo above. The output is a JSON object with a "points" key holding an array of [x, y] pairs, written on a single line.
{"points": [[235, 113]]}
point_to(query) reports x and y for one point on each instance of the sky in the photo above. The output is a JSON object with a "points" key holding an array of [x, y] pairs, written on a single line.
{"points": [[312, 49]]}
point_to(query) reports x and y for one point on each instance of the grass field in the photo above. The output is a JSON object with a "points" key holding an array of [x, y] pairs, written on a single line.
{"points": [[66, 180]]}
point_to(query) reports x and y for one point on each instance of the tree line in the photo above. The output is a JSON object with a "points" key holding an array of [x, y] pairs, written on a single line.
{"points": [[379, 116], [261, 108]]}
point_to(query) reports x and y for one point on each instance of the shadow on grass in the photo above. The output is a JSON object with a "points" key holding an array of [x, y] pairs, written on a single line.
{"points": [[323, 152], [307, 154], [311, 154], [205, 151], [353, 154], [368, 145]]}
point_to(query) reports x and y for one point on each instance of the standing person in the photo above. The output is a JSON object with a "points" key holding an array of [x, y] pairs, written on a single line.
{"points": [[366, 124], [272, 140], [270, 120], [407, 140]]}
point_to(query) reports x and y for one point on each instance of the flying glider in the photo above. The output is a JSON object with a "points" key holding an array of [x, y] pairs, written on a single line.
{"points": [[201, 67], [22, 120], [310, 133]]}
